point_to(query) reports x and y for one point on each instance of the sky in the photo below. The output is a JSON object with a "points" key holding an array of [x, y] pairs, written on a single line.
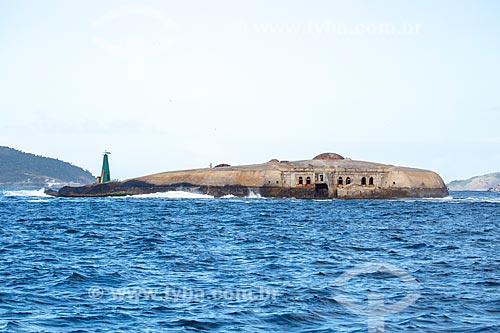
{"points": [[168, 85]]}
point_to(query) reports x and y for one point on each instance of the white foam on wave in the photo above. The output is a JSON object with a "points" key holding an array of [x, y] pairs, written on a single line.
{"points": [[451, 199], [190, 195], [470, 199], [253, 195], [448, 198], [26, 193], [173, 195], [491, 199]]}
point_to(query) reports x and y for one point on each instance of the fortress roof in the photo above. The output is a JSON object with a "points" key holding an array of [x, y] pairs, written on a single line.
{"points": [[328, 156]]}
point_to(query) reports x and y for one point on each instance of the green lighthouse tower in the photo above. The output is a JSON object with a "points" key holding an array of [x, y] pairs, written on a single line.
{"points": [[105, 174]]}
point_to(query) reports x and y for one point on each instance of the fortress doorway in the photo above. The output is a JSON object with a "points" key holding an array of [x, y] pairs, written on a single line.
{"points": [[321, 190]]}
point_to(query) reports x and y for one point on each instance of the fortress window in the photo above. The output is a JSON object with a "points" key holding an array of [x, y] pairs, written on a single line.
{"points": [[301, 181], [363, 181], [277, 182], [308, 181], [320, 178], [340, 181], [370, 181], [347, 181]]}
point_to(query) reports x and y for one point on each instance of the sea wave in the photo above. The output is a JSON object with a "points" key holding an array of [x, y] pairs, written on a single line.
{"points": [[26, 193], [173, 195], [472, 199], [253, 195], [270, 264], [450, 199], [190, 195]]}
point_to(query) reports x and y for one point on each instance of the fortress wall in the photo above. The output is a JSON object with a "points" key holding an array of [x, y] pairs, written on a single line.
{"points": [[393, 183], [396, 178], [358, 192], [216, 177], [357, 174], [287, 179], [412, 178]]}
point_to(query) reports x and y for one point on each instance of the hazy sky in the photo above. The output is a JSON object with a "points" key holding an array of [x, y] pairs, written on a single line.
{"points": [[168, 85]]}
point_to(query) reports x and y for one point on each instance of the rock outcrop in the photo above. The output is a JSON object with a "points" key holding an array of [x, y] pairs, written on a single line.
{"points": [[329, 175]]}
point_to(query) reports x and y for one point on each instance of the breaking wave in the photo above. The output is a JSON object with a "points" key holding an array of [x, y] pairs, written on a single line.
{"points": [[173, 195], [471, 199], [451, 199], [190, 195], [26, 193], [253, 195]]}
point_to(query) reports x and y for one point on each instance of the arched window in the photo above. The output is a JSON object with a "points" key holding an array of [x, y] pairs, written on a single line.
{"points": [[308, 181], [321, 178], [347, 181], [370, 181], [301, 180], [340, 181], [363, 181]]}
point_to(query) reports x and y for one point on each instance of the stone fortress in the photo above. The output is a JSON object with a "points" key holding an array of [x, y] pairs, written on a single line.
{"points": [[326, 176]]}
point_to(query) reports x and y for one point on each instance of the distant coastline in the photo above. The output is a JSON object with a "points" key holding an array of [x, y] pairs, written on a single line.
{"points": [[487, 182], [28, 171]]}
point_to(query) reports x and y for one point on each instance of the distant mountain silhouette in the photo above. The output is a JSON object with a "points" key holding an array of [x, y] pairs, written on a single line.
{"points": [[19, 169], [486, 182]]}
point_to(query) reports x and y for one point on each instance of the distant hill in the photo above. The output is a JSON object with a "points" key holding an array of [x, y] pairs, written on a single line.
{"points": [[487, 182], [19, 169]]}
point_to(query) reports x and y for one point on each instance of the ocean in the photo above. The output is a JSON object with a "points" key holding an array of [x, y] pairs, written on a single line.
{"points": [[178, 262]]}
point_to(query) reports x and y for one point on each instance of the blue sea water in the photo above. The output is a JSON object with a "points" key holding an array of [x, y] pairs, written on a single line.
{"points": [[178, 262]]}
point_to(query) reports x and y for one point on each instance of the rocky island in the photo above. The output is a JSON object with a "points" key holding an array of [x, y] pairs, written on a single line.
{"points": [[326, 176]]}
